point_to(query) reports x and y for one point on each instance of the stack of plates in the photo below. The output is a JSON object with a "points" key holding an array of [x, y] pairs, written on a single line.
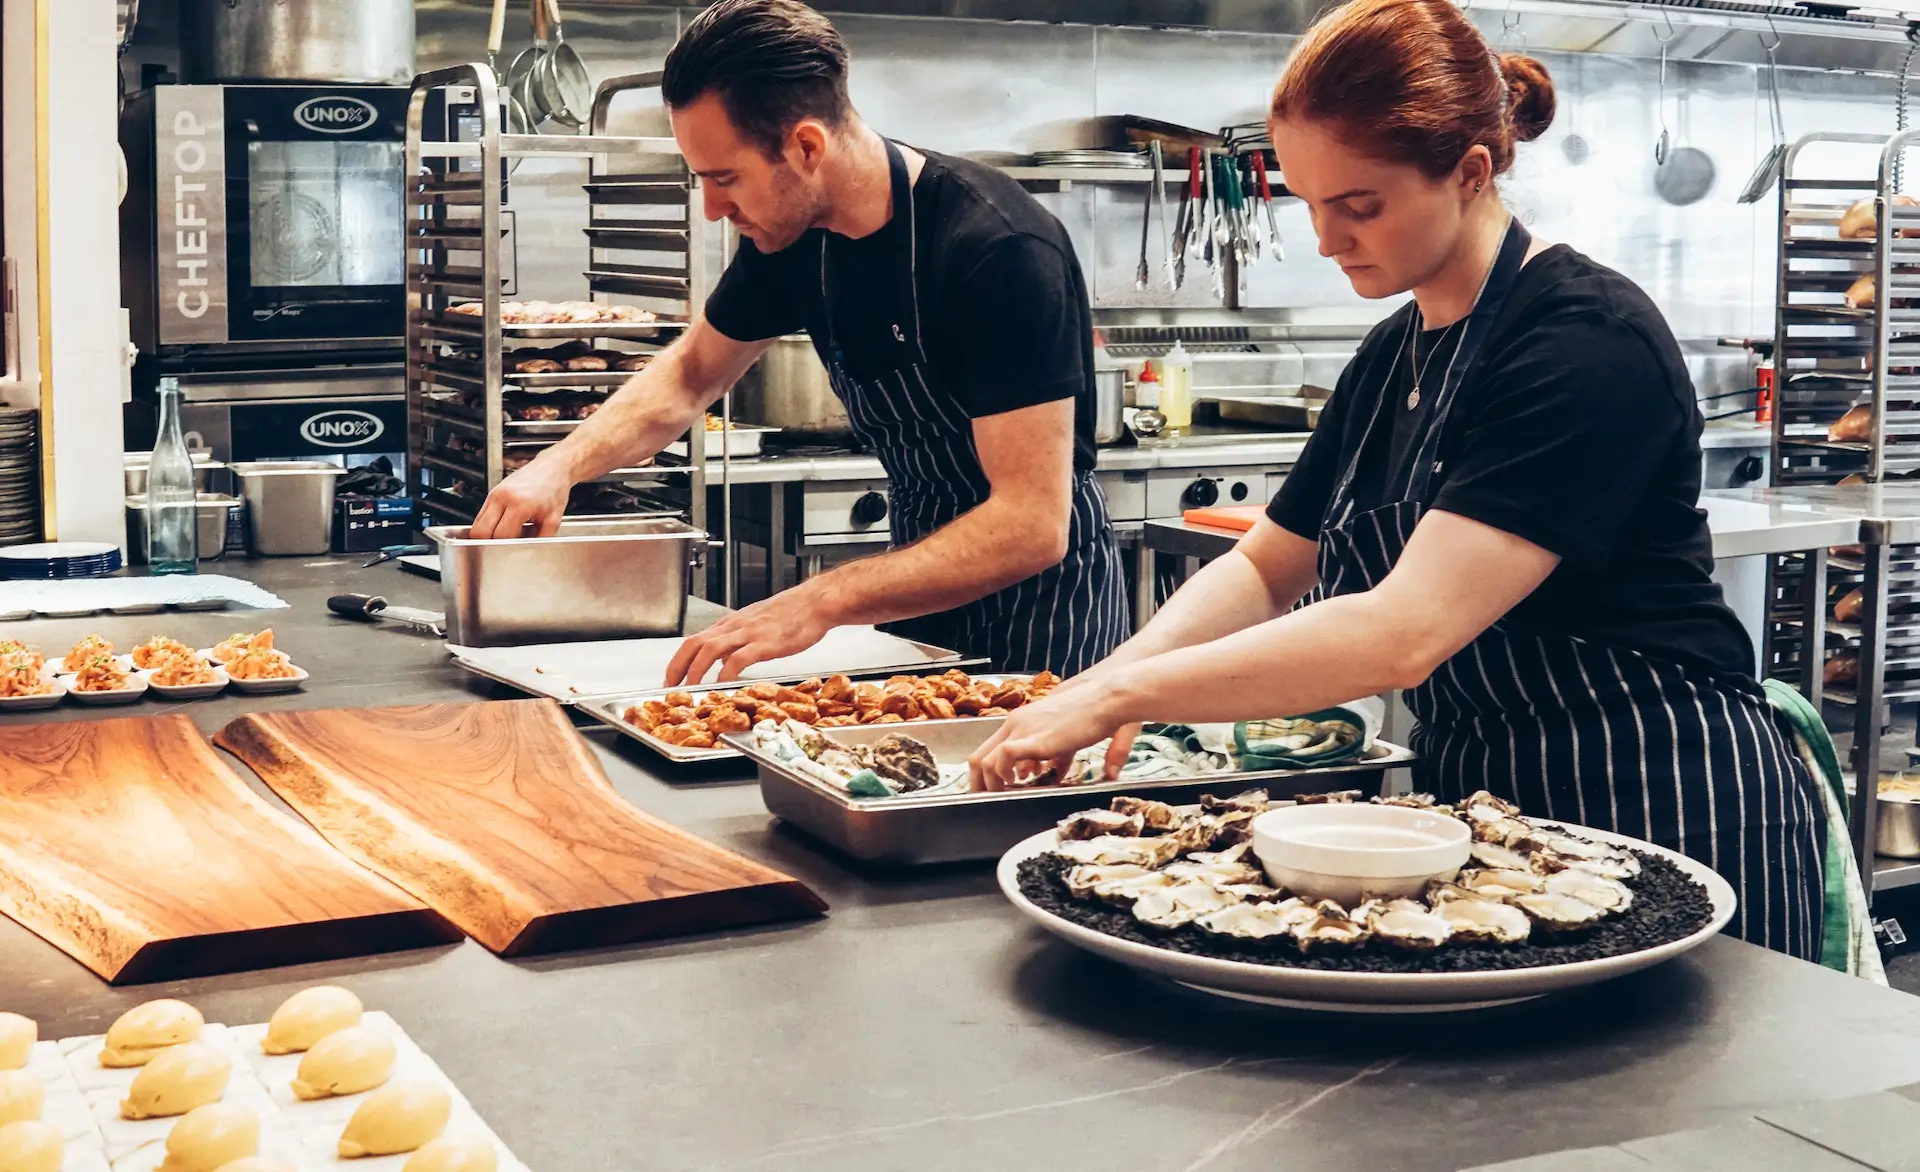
{"points": [[19, 476], [59, 559], [1091, 158]]}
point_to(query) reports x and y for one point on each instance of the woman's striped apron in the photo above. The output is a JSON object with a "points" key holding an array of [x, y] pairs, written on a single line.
{"points": [[1601, 736]]}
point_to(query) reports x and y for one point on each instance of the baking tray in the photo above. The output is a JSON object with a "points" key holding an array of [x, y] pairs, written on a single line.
{"points": [[962, 827], [638, 331], [521, 667], [745, 441], [609, 710]]}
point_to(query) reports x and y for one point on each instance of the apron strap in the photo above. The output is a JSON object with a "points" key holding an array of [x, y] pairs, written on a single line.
{"points": [[901, 185]]}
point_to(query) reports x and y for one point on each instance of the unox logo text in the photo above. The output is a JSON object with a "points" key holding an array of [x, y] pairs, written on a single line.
{"points": [[335, 115], [342, 429]]}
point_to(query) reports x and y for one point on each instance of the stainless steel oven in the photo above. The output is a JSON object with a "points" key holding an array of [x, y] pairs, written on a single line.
{"points": [[264, 217]]}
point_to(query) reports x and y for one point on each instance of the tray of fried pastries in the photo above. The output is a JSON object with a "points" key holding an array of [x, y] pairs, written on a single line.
{"points": [[687, 724]]}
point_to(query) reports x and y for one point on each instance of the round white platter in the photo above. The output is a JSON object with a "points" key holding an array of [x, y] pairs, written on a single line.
{"points": [[1344, 992]]}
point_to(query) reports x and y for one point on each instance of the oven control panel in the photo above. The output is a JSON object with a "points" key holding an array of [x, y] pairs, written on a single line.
{"points": [[1172, 491]]}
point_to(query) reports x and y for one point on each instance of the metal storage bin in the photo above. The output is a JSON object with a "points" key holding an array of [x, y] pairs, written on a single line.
{"points": [[619, 578], [289, 505], [211, 515]]}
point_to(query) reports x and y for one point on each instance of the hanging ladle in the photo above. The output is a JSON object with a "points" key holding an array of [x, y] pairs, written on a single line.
{"points": [[1660, 144]]}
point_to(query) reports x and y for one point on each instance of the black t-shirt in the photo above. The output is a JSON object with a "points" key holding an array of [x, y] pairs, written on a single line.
{"points": [[1577, 429], [1003, 310]]}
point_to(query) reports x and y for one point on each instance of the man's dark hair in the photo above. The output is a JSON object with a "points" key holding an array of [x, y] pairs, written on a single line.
{"points": [[772, 63]]}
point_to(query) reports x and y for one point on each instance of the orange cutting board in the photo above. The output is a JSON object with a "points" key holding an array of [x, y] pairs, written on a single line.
{"points": [[1239, 518], [498, 816], [131, 847]]}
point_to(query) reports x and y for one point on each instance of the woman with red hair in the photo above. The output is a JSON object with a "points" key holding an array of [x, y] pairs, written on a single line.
{"points": [[1499, 506]]}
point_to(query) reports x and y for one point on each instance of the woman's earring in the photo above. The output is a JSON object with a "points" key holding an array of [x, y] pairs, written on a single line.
{"points": [[1477, 185]]}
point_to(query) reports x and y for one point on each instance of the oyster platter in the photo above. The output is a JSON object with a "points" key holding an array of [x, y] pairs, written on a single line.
{"points": [[1537, 906]]}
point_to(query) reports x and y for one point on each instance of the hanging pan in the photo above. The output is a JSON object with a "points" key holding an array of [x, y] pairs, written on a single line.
{"points": [[521, 73], [1768, 171]]}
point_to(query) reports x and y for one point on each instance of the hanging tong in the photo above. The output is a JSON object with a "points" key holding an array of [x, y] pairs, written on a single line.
{"points": [[1266, 202], [1160, 206], [1183, 226]]}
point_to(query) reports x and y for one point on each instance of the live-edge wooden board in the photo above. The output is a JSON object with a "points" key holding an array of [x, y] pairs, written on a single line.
{"points": [[130, 846], [499, 817]]}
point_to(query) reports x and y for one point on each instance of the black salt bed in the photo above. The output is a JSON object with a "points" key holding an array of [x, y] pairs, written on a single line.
{"points": [[1667, 906]]}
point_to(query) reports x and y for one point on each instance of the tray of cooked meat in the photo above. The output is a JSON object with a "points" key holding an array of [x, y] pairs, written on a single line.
{"points": [[686, 724]]}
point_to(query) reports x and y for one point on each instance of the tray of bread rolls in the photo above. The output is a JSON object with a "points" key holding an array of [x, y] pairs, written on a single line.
{"points": [[324, 1086]]}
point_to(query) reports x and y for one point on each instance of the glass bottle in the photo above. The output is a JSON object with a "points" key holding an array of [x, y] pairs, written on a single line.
{"points": [[173, 523]]}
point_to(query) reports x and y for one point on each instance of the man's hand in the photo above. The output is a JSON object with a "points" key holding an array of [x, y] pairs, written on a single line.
{"points": [[533, 496], [786, 624]]}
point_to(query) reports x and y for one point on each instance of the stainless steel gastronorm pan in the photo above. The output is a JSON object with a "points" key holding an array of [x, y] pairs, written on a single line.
{"points": [[912, 831]]}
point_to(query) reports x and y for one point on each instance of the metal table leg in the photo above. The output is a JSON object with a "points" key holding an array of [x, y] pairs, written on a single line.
{"points": [[1145, 566], [1866, 713], [1813, 645]]}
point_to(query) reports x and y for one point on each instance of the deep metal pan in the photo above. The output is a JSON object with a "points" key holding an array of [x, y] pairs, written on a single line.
{"points": [[959, 827]]}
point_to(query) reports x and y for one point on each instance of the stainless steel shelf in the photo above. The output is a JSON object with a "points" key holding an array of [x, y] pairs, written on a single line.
{"points": [[1890, 873]]}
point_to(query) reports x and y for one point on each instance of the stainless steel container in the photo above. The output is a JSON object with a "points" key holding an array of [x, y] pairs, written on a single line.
{"points": [[211, 514], [204, 465], [1109, 401], [619, 578], [1896, 828], [289, 505], [790, 390], [911, 831], [367, 41]]}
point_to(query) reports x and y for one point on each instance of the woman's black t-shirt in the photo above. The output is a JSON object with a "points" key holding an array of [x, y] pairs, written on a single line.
{"points": [[1577, 429]]}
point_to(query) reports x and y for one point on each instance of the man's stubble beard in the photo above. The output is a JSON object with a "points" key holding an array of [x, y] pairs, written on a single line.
{"points": [[798, 210]]}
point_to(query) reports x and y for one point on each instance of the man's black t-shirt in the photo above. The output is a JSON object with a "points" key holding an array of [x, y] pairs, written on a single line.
{"points": [[1002, 307], [1576, 429]]}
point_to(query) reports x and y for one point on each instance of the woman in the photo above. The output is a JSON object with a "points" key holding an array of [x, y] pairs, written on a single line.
{"points": [[1499, 505]]}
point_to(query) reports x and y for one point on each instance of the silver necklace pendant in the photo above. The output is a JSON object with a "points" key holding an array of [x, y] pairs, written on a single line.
{"points": [[1413, 398]]}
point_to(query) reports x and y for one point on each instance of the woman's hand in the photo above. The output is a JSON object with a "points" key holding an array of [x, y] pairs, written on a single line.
{"points": [[1047, 732]]}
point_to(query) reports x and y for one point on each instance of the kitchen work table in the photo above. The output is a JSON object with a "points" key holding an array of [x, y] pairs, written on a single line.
{"points": [[924, 1026]]}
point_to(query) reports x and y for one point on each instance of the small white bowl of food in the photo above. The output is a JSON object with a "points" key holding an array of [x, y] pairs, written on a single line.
{"points": [[83, 652], [159, 650], [263, 671], [105, 680], [187, 677], [1352, 852], [234, 646], [27, 686]]}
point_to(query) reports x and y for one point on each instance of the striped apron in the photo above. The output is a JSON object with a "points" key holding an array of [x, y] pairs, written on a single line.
{"points": [[1601, 736], [1063, 619]]}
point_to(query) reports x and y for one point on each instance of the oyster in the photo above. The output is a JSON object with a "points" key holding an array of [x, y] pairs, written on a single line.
{"points": [[1494, 884], [1621, 866], [1503, 830], [1499, 857], [1220, 874], [1413, 929], [1233, 854], [1608, 895], [1570, 847], [1250, 921], [1153, 815], [1482, 806], [1330, 930], [1412, 801], [1109, 849], [1482, 921], [1232, 826], [1121, 883], [1094, 823], [1180, 903], [1560, 914], [1254, 799], [906, 762], [1341, 796]]}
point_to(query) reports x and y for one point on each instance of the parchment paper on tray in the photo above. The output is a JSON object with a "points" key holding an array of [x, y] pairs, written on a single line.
{"points": [[574, 671]]}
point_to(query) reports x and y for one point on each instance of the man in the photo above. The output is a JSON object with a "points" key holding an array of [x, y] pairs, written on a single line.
{"points": [[950, 311]]}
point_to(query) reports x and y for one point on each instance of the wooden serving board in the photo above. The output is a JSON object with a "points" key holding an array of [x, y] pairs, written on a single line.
{"points": [[499, 817], [130, 846]]}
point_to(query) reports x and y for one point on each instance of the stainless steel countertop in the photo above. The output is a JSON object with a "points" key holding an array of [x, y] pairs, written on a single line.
{"points": [[1886, 513], [1211, 454], [1744, 522], [924, 1025]]}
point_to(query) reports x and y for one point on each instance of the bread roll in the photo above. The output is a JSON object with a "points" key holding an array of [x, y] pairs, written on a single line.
{"points": [[1848, 608], [1861, 222], [1860, 293], [17, 1036], [1842, 670], [395, 1119], [31, 1147], [147, 1029], [308, 1016], [455, 1153], [1856, 426], [210, 1138], [22, 1096], [345, 1063], [176, 1081], [587, 363]]}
